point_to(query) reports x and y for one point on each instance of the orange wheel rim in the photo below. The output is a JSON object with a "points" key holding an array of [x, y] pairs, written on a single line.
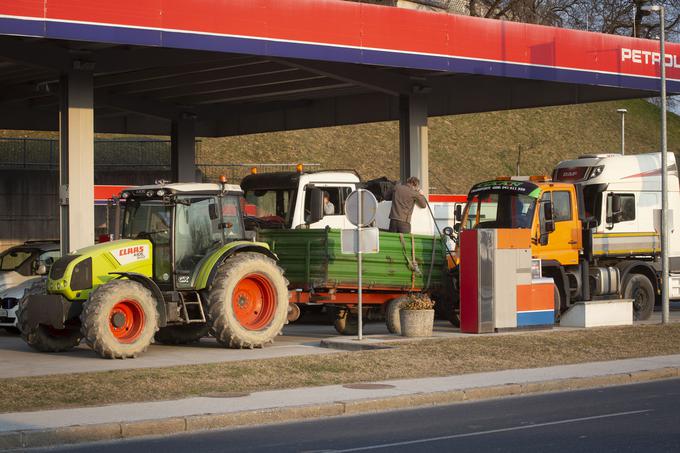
{"points": [[126, 320], [254, 301]]}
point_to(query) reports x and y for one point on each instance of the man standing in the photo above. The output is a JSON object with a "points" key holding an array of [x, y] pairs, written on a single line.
{"points": [[404, 197]]}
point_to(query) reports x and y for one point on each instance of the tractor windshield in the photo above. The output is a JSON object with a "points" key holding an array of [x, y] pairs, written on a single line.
{"points": [[501, 204]]}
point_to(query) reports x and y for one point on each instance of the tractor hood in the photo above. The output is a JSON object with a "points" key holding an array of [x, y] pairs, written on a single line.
{"points": [[76, 274], [9, 279]]}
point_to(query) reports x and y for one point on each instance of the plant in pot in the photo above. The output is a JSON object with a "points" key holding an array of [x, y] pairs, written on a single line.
{"points": [[417, 316]]}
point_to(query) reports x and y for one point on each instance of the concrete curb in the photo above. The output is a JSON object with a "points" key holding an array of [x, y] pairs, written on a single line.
{"points": [[123, 430]]}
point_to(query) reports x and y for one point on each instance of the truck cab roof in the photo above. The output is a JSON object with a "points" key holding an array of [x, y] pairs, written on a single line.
{"points": [[632, 170], [188, 188], [291, 179]]}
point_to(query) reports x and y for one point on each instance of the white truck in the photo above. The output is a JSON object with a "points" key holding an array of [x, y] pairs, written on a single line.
{"points": [[283, 200], [622, 197]]}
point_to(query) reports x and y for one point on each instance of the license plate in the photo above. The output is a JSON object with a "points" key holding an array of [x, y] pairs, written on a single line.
{"points": [[4, 313]]}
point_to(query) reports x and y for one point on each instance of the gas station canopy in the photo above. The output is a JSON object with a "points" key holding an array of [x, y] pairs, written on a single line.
{"points": [[246, 66]]}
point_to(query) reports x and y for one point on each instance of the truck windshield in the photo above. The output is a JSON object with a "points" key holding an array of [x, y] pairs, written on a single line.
{"points": [[500, 210], [270, 208]]}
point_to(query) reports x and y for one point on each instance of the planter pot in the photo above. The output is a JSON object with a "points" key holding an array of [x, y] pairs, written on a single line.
{"points": [[416, 323]]}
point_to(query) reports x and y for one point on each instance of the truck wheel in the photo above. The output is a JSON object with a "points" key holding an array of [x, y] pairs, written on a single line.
{"points": [[120, 319], [557, 302], [640, 289], [346, 323], [392, 319], [248, 302], [183, 334]]}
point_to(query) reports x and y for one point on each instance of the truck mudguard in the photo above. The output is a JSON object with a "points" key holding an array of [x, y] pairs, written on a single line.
{"points": [[553, 268], [627, 267], [155, 290]]}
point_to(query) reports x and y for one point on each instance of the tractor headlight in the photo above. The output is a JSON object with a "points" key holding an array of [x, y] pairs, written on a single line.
{"points": [[160, 192], [81, 278]]}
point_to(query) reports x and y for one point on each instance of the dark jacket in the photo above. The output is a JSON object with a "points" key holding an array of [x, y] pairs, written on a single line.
{"points": [[403, 199]]}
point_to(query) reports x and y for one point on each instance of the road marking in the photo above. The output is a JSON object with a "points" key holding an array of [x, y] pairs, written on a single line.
{"points": [[491, 431]]}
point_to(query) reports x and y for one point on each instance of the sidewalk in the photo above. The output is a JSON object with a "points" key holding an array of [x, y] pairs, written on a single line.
{"points": [[64, 426]]}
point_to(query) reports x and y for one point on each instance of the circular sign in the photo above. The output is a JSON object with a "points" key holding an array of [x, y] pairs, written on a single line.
{"points": [[369, 207]]}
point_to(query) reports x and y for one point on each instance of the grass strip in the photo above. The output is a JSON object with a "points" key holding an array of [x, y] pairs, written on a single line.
{"points": [[409, 360]]}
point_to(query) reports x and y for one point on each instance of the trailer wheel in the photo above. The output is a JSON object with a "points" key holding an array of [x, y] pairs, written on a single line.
{"points": [[183, 334], [293, 312], [120, 319], [248, 303], [392, 314], [640, 289], [346, 323]]}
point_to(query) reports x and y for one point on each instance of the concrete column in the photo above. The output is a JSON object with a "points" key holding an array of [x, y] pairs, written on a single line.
{"points": [[413, 141], [76, 160], [183, 150]]}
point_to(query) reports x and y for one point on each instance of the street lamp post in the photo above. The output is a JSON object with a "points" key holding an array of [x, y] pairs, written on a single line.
{"points": [[665, 313], [623, 130]]}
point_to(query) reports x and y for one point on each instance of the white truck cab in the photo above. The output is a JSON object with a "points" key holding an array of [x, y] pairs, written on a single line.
{"points": [[283, 200], [630, 185]]}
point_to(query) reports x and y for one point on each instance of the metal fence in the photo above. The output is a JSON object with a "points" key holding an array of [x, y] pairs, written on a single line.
{"points": [[113, 154], [235, 172], [43, 154]]}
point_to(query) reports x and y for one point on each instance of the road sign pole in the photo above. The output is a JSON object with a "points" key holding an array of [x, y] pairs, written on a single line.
{"points": [[360, 216]]}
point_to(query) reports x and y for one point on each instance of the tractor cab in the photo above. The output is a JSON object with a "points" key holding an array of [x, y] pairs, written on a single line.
{"points": [[185, 224]]}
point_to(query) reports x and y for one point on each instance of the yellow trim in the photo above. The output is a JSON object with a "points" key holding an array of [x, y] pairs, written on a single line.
{"points": [[626, 251], [622, 235]]}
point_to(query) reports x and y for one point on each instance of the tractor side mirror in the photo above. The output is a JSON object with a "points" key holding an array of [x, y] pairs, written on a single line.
{"points": [[456, 227], [458, 213], [316, 205], [448, 231]]}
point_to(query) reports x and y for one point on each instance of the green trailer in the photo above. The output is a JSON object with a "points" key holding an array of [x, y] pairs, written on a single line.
{"points": [[319, 273]]}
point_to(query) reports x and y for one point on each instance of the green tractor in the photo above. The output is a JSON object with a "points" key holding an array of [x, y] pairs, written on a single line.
{"points": [[182, 269]]}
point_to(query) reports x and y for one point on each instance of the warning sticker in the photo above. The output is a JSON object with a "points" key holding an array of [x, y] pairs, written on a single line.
{"points": [[130, 254]]}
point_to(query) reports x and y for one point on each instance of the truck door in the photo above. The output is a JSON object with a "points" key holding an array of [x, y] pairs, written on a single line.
{"points": [[564, 243], [334, 210]]}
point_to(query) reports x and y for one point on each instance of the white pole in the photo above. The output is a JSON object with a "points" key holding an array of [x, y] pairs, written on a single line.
{"points": [[360, 217], [664, 178], [623, 133]]}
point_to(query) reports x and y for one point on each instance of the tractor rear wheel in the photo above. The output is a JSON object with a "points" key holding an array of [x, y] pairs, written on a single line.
{"points": [[184, 334], [120, 319], [392, 312], [248, 302]]}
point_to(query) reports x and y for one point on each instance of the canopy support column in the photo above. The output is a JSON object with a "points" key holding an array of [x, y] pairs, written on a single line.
{"points": [[413, 140], [183, 149], [76, 160]]}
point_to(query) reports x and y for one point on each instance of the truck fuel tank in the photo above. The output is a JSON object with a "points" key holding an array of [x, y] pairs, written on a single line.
{"points": [[604, 281]]}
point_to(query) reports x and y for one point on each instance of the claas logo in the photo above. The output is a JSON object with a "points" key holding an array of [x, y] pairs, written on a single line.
{"points": [[136, 250]]}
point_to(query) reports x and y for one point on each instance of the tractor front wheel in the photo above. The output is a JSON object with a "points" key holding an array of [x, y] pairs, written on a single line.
{"points": [[120, 319], [248, 302]]}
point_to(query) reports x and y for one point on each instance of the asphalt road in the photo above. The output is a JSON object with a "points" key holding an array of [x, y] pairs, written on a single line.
{"points": [[640, 417]]}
